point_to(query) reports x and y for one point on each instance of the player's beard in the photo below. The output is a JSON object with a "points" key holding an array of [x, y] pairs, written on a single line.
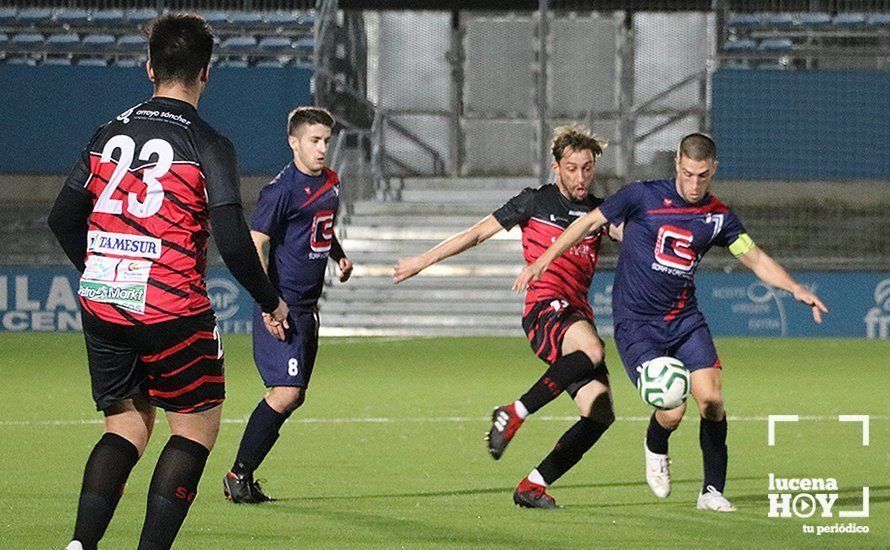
{"points": [[569, 191]]}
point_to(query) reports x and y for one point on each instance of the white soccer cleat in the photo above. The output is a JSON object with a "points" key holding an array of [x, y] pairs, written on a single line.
{"points": [[74, 545], [658, 472], [714, 500]]}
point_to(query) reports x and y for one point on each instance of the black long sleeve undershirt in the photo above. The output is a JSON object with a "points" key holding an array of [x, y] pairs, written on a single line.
{"points": [[68, 222], [233, 240]]}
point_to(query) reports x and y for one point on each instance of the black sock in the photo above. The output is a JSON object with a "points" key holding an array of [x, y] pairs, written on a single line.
{"points": [[259, 437], [174, 486], [564, 372], [570, 448], [712, 437], [104, 477], [657, 437]]}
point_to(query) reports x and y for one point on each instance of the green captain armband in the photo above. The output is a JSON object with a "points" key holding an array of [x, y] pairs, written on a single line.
{"points": [[742, 245]]}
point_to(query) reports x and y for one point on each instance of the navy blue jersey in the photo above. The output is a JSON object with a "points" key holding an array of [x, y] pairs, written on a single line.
{"points": [[664, 240], [297, 212]]}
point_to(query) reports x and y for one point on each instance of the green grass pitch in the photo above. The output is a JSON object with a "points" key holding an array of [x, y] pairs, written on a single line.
{"points": [[388, 451]]}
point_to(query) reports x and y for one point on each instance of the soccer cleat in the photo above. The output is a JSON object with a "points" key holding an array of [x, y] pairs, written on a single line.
{"points": [[504, 423], [658, 472], [243, 489], [714, 500], [532, 495], [74, 545]]}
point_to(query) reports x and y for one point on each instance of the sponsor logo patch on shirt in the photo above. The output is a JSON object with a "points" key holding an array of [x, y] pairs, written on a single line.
{"points": [[123, 244], [129, 296]]}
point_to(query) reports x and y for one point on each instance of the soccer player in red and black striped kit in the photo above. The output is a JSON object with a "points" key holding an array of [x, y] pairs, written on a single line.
{"points": [[557, 318], [133, 217]]}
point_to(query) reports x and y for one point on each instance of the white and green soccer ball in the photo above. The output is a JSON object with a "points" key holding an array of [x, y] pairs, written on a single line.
{"points": [[664, 383]]}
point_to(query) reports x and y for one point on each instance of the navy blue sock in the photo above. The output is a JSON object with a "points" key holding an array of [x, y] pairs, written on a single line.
{"points": [[259, 437], [104, 476], [657, 437], [712, 437]]}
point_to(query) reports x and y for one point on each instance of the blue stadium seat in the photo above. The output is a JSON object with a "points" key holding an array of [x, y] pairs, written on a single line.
{"points": [[234, 63], [93, 62], [4, 38], [142, 16], [775, 44], [734, 65], [879, 19], [72, 16], [307, 43], [813, 19], [108, 17], [20, 60], [778, 20], [132, 42], [773, 66], [848, 19], [128, 62], [64, 39], [269, 64], [283, 18], [57, 61], [307, 19], [275, 43], [98, 40], [245, 18], [239, 43], [215, 17], [745, 20], [7, 15], [27, 39], [740, 45], [35, 15]]}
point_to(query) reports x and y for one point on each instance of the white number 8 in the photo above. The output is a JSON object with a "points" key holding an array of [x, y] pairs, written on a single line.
{"points": [[154, 192]]}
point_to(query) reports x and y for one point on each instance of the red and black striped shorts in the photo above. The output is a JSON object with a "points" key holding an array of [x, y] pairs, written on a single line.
{"points": [[178, 363], [546, 324]]}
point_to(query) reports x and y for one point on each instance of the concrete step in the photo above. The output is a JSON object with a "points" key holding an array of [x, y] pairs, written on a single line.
{"points": [[424, 281], [425, 306], [431, 231], [426, 332], [415, 246], [413, 296], [471, 183], [495, 197], [505, 321], [433, 208]]}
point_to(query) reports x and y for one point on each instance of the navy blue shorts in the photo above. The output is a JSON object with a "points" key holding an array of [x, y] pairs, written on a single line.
{"points": [[688, 339], [287, 363]]}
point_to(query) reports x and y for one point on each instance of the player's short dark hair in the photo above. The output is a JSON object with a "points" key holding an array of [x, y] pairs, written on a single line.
{"points": [[308, 115], [179, 47], [697, 146], [577, 138]]}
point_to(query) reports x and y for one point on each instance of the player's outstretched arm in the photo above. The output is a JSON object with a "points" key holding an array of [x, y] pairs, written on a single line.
{"points": [[573, 234], [339, 256], [479, 233], [769, 271]]}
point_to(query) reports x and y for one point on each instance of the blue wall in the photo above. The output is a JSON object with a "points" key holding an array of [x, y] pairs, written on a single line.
{"points": [[735, 304], [47, 114], [802, 125]]}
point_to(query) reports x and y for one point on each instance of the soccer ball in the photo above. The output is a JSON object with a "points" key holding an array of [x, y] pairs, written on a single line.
{"points": [[664, 383]]}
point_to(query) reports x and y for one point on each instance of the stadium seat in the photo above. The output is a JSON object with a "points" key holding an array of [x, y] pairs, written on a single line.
{"points": [[132, 42], [283, 18], [35, 15], [734, 65], [307, 20], [744, 20], [27, 39], [4, 38], [57, 61], [239, 43], [7, 15], [215, 17], [234, 63], [245, 18], [128, 62], [93, 62], [307, 43], [98, 40], [775, 44], [777, 20], [813, 19], [269, 64], [879, 19], [275, 43], [72, 16], [848, 19], [740, 45], [108, 17], [21, 60], [142, 15], [773, 66], [64, 39]]}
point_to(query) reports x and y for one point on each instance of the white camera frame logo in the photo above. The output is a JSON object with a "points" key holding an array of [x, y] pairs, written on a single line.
{"points": [[803, 504]]}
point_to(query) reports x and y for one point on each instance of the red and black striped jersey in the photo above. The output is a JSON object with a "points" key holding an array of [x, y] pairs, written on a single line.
{"points": [[152, 174], [543, 214]]}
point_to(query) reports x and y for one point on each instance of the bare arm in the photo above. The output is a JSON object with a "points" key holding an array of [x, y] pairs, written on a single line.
{"points": [[479, 233], [573, 234], [769, 271]]}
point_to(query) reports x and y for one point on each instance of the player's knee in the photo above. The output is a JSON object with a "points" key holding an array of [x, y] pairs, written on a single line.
{"points": [[595, 353], [285, 399], [711, 407], [670, 419]]}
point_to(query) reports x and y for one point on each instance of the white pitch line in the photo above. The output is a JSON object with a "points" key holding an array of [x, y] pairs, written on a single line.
{"points": [[396, 420]]}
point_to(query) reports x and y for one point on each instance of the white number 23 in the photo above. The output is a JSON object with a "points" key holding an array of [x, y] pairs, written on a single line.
{"points": [[154, 192]]}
